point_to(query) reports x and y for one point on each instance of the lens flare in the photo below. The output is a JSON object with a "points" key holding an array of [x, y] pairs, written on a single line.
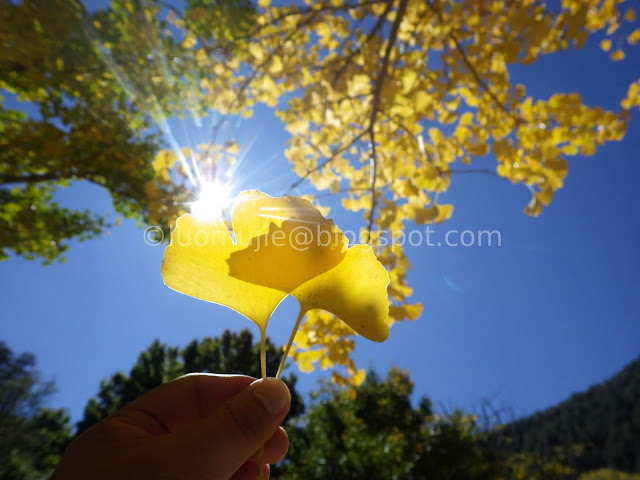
{"points": [[213, 199]]}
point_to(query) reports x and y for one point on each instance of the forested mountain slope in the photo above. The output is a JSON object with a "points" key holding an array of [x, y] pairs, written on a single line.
{"points": [[604, 420]]}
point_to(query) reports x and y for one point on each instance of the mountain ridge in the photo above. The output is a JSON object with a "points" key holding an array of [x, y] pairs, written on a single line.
{"points": [[603, 421]]}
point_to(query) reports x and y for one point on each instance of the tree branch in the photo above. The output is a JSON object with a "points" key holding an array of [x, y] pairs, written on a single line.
{"points": [[35, 178], [346, 190], [376, 107], [374, 177], [303, 11], [243, 87], [376, 28], [330, 159], [480, 171], [472, 69], [51, 176]]}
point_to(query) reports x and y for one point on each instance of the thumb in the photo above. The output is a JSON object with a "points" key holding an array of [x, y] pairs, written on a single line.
{"points": [[217, 446]]}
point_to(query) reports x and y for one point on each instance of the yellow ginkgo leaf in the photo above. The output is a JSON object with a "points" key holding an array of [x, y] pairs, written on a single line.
{"points": [[634, 37], [630, 15], [294, 249], [617, 56], [433, 214], [282, 245], [195, 263], [287, 241], [355, 291], [253, 213], [289, 255]]}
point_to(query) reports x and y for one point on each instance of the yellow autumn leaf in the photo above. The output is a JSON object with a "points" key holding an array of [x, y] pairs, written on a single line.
{"points": [[403, 111], [634, 37], [359, 85], [282, 245], [545, 197], [534, 208], [466, 119], [355, 203], [320, 272], [433, 214], [338, 379], [407, 311], [605, 45], [305, 364], [284, 232], [162, 163], [189, 41], [422, 101], [276, 65], [444, 213], [195, 263], [257, 51], [617, 55], [253, 212], [409, 81], [355, 291], [630, 15], [232, 147], [358, 378], [633, 96], [252, 276]]}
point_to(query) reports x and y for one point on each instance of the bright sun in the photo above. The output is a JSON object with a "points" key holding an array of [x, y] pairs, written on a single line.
{"points": [[213, 198]]}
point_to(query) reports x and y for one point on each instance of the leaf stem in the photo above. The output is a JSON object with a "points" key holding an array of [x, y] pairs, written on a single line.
{"points": [[263, 367], [263, 353], [293, 334]]}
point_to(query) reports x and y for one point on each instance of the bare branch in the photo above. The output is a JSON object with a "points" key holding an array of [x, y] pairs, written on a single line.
{"points": [[346, 190], [374, 175], [476, 171]]}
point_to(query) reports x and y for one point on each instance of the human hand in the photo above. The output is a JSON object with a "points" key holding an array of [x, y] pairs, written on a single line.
{"points": [[196, 427]]}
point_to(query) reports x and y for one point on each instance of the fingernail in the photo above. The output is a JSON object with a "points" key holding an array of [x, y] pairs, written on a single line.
{"points": [[273, 394]]}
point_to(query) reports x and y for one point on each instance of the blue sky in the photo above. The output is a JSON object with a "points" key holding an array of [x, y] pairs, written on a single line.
{"points": [[550, 312]]}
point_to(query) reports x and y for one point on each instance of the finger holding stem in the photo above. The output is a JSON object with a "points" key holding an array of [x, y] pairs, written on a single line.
{"points": [[263, 365]]}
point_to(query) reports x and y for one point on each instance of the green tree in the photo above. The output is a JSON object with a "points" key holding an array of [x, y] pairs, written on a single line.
{"points": [[103, 84], [532, 466], [32, 438], [608, 474], [373, 431], [233, 353]]}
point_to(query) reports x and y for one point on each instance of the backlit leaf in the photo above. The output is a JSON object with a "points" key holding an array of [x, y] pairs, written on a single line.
{"points": [[195, 263], [290, 242], [355, 291]]}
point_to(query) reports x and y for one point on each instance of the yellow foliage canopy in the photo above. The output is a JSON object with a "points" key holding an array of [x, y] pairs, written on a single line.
{"points": [[387, 101]]}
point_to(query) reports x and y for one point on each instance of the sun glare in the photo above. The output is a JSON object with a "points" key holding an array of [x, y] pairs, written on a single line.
{"points": [[213, 198]]}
